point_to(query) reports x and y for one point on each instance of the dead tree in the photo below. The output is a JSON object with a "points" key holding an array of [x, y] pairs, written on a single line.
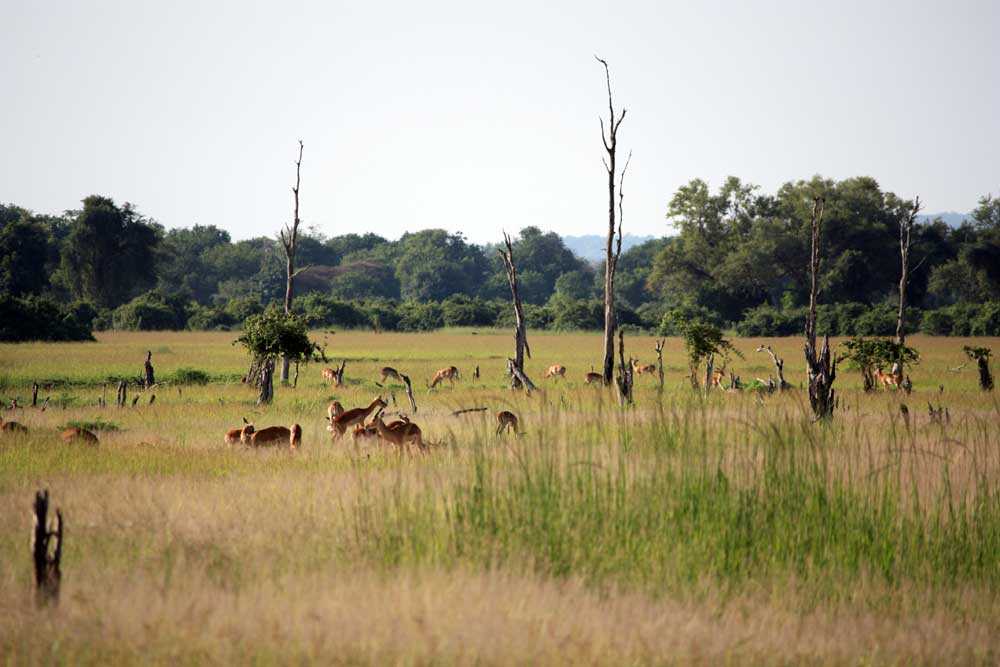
{"points": [[520, 333], [659, 361], [122, 395], [779, 366], [266, 382], [981, 355], [609, 137], [289, 241], [409, 392], [822, 368], [624, 378], [518, 374], [149, 380], [338, 374], [905, 230], [46, 550], [34, 394]]}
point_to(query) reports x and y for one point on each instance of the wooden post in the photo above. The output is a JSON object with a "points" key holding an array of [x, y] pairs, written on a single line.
{"points": [[150, 380], [520, 332], [122, 395], [822, 368], [46, 551]]}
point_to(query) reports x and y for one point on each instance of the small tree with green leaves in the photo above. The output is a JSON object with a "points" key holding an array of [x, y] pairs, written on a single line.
{"points": [[270, 335], [703, 342], [981, 355], [871, 354]]}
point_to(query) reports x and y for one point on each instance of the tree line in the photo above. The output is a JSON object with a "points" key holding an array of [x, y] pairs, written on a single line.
{"points": [[738, 258]]}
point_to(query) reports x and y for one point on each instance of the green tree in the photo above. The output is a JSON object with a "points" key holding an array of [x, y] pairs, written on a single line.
{"points": [[183, 264], [434, 264], [23, 254], [270, 335]]}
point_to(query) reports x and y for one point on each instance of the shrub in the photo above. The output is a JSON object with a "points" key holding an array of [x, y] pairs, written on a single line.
{"points": [[463, 311], [420, 316], [676, 317], [189, 376], [152, 311], [40, 318], [577, 314], [766, 320], [318, 310]]}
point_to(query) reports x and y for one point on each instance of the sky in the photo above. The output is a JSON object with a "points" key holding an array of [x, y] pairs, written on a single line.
{"points": [[483, 117]]}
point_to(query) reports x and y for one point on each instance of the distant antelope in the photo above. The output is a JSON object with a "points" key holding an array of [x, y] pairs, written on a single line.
{"points": [[450, 374], [389, 372], [273, 435], [340, 423], [12, 427], [329, 374], [235, 435], [555, 370], [75, 434], [887, 379], [401, 436], [593, 377], [717, 378], [506, 420], [640, 369]]}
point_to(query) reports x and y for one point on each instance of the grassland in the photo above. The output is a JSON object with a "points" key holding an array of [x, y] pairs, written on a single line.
{"points": [[690, 529]]}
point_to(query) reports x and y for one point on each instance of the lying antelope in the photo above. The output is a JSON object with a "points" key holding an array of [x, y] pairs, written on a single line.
{"points": [[641, 369], [12, 427], [450, 374], [402, 435], [235, 435], [340, 423], [555, 370], [273, 435], [75, 434], [506, 420], [389, 372]]}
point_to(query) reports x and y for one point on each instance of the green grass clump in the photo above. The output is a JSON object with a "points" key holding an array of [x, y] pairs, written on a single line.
{"points": [[186, 375], [98, 424]]}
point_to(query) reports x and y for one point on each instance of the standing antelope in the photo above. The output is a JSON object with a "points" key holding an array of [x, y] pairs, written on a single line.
{"points": [[12, 427], [329, 374], [407, 433], [340, 423], [593, 377], [642, 368], [334, 410], [555, 370], [79, 434], [506, 420], [450, 374], [887, 379], [235, 435], [389, 372]]}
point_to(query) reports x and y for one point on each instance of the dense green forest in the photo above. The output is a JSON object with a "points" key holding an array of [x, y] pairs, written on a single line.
{"points": [[737, 257]]}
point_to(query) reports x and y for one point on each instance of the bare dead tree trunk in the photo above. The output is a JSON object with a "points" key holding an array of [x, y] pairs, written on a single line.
{"points": [[905, 230], [523, 380], [624, 379], [46, 551], [409, 391], [609, 137], [659, 361], [779, 366], [147, 368], [338, 374], [266, 385], [289, 241], [34, 394], [520, 334], [122, 395], [822, 369], [709, 372]]}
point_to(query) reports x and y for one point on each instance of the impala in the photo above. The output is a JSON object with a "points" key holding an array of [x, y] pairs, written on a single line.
{"points": [[334, 410], [389, 372], [329, 374], [75, 433], [12, 427], [450, 374], [593, 377], [235, 435], [887, 379], [276, 434], [555, 370], [506, 420], [642, 368], [340, 423], [407, 433]]}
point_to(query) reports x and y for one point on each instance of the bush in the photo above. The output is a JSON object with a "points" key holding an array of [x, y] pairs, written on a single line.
{"points": [[577, 314], [463, 311], [189, 376], [383, 315], [318, 310], [420, 316], [766, 320], [40, 318], [674, 319], [987, 321], [152, 311]]}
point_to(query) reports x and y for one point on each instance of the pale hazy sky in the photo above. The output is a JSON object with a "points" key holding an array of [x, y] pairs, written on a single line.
{"points": [[480, 116]]}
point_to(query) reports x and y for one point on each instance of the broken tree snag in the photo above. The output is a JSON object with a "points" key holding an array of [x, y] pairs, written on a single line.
{"points": [[34, 394], [659, 361], [609, 137], [409, 392], [46, 550], [149, 379], [906, 219], [779, 366], [122, 395], [520, 333], [821, 367], [709, 372], [289, 242], [338, 374], [518, 374], [266, 382], [624, 379], [475, 373]]}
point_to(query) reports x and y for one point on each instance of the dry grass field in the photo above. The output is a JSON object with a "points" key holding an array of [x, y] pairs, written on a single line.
{"points": [[686, 529]]}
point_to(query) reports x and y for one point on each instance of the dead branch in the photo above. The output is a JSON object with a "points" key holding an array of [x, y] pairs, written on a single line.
{"points": [[779, 366], [456, 413], [517, 373]]}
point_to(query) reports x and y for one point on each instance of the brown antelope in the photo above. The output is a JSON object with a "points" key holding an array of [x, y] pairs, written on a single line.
{"points": [[506, 420], [593, 377], [717, 378], [334, 410], [75, 434], [450, 374], [401, 436], [329, 374], [389, 372], [273, 435], [340, 423], [12, 427], [887, 379], [555, 370], [640, 369], [235, 435]]}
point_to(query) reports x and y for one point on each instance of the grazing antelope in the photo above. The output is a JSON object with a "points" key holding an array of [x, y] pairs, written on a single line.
{"points": [[273, 435], [506, 420], [340, 423], [12, 427], [75, 434], [555, 370], [642, 368], [407, 433], [450, 374], [389, 372], [235, 435], [334, 410], [593, 377]]}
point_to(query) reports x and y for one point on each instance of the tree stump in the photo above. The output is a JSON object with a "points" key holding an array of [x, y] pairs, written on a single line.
{"points": [[149, 380], [46, 551]]}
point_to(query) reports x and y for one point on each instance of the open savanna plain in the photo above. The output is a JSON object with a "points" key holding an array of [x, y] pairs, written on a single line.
{"points": [[688, 528]]}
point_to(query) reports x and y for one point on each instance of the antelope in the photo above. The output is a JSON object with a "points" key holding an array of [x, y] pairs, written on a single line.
{"points": [[642, 368], [593, 377], [887, 379], [389, 372], [275, 434], [79, 434], [506, 420], [235, 435], [369, 431], [340, 423], [450, 374], [555, 370], [12, 427], [329, 374], [717, 378], [402, 435], [332, 412]]}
